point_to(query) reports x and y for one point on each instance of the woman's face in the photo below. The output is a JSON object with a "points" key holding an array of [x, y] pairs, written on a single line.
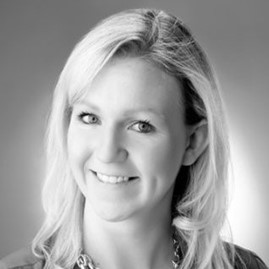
{"points": [[127, 139]]}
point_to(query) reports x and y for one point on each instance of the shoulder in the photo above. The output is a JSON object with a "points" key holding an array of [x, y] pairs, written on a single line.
{"points": [[22, 259], [246, 259]]}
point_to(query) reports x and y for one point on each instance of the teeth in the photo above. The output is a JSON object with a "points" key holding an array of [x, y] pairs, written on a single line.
{"points": [[112, 179]]}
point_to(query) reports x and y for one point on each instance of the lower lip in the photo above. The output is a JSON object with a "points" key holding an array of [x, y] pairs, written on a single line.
{"points": [[115, 184]]}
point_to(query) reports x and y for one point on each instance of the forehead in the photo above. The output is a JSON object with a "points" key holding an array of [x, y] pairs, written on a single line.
{"points": [[134, 84]]}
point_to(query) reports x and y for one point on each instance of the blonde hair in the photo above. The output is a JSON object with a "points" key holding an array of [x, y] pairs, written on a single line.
{"points": [[199, 201]]}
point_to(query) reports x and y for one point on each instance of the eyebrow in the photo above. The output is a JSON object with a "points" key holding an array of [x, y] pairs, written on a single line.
{"points": [[127, 112], [144, 110]]}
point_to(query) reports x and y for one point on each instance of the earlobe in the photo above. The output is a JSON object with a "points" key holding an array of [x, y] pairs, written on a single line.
{"points": [[197, 143]]}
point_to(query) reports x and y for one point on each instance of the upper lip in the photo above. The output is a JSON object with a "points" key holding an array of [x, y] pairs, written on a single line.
{"points": [[112, 174]]}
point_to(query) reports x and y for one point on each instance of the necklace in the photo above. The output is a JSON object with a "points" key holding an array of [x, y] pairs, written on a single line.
{"points": [[84, 261]]}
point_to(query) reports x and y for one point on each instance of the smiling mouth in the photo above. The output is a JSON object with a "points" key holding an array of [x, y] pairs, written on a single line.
{"points": [[113, 179]]}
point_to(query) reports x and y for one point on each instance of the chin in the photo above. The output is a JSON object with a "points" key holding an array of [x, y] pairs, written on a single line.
{"points": [[110, 211], [112, 215]]}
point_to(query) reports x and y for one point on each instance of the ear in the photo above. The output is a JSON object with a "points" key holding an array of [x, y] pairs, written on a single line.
{"points": [[197, 142]]}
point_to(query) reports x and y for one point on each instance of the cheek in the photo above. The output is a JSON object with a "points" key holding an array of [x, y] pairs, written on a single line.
{"points": [[163, 158], [78, 156], [77, 152], [167, 162]]}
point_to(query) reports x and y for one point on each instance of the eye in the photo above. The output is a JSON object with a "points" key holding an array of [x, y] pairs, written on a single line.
{"points": [[143, 127], [88, 118]]}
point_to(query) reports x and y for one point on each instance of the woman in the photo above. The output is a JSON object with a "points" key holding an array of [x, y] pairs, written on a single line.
{"points": [[137, 154]]}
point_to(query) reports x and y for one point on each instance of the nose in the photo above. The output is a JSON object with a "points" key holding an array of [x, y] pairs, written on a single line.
{"points": [[110, 147]]}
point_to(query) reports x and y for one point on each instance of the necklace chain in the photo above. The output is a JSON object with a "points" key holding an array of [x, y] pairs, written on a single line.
{"points": [[84, 261]]}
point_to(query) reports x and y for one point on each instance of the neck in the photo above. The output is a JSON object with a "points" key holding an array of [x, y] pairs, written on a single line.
{"points": [[138, 242]]}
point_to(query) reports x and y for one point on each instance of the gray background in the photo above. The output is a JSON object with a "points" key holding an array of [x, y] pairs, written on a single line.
{"points": [[36, 37]]}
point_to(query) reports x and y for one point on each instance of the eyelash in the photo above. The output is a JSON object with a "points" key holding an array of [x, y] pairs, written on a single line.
{"points": [[147, 123], [83, 114], [150, 127]]}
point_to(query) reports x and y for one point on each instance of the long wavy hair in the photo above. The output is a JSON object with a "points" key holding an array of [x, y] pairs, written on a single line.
{"points": [[199, 200]]}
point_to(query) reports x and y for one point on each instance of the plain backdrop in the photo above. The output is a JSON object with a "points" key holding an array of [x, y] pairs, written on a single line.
{"points": [[36, 37]]}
